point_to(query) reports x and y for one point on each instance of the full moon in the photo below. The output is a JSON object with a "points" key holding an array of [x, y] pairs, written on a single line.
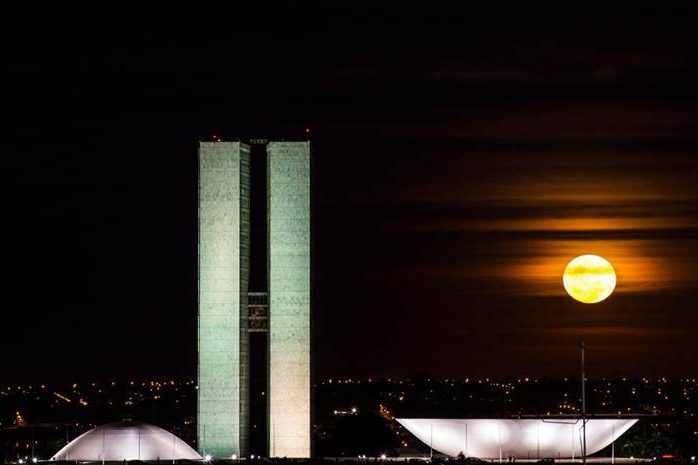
{"points": [[589, 278]]}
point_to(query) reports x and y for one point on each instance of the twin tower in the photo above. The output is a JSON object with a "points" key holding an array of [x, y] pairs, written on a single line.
{"points": [[229, 312]]}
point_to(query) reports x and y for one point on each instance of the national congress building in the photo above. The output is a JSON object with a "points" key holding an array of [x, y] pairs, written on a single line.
{"points": [[229, 312]]}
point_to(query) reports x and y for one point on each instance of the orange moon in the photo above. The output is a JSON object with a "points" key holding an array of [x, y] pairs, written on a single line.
{"points": [[589, 278]]}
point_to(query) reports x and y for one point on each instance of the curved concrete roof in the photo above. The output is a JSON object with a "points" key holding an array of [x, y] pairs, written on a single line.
{"points": [[126, 440], [522, 438]]}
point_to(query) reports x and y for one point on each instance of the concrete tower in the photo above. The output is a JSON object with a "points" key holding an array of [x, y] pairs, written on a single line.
{"points": [[228, 312], [289, 298]]}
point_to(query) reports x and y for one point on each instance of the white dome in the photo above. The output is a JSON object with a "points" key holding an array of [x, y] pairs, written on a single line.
{"points": [[527, 438], [127, 440]]}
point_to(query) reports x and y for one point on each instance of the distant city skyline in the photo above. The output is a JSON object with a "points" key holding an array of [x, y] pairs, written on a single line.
{"points": [[59, 412]]}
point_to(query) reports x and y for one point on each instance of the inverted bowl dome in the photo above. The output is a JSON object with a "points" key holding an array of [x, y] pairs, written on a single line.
{"points": [[522, 438]]}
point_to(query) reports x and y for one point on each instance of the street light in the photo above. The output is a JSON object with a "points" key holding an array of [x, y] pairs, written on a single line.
{"points": [[582, 348], [588, 279]]}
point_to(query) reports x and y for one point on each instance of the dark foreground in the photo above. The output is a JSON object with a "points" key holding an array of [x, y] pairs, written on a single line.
{"points": [[439, 460]]}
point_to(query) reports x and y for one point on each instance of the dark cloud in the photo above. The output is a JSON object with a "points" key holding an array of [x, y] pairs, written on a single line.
{"points": [[460, 161]]}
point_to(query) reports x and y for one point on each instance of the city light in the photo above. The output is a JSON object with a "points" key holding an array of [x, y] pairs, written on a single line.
{"points": [[628, 397], [207, 458]]}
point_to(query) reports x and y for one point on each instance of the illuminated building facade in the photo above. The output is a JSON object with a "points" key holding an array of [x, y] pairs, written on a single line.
{"points": [[229, 312], [126, 440], [521, 438]]}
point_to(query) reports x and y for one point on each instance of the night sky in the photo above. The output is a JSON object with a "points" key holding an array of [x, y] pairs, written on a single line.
{"points": [[462, 158]]}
